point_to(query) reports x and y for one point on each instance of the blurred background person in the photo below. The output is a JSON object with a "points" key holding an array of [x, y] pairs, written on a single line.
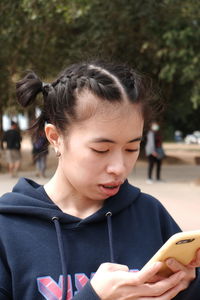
{"points": [[40, 152], [12, 143], [154, 151], [178, 136]]}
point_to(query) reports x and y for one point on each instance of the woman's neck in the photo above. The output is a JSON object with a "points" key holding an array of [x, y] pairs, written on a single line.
{"points": [[61, 193]]}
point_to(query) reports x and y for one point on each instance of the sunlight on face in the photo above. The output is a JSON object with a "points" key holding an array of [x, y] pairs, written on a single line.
{"points": [[99, 153]]}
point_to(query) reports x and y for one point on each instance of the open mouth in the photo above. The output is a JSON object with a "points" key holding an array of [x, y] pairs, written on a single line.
{"points": [[110, 186], [109, 189]]}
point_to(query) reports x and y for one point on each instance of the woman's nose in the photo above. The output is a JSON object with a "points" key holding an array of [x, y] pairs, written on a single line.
{"points": [[117, 166]]}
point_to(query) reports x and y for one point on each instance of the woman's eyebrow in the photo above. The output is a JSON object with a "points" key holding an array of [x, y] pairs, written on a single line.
{"points": [[104, 140]]}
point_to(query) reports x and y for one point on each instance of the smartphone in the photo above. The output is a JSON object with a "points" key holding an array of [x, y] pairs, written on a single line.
{"points": [[182, 246]]}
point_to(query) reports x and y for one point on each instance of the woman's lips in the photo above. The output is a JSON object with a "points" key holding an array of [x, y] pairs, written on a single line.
{"points": [[109, 189]]}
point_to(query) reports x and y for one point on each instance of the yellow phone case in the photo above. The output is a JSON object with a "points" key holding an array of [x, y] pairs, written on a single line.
{"points": [[182, 246]]}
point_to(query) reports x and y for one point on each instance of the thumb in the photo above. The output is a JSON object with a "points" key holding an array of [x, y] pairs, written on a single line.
{"points": [[110, 267]]}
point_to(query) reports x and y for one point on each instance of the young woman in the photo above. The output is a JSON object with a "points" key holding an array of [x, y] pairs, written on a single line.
{"points": [[87, 233], [154, 152]]}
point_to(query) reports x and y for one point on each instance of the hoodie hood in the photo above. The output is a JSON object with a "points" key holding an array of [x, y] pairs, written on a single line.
{"points": [[27, 199], [48, 254]]}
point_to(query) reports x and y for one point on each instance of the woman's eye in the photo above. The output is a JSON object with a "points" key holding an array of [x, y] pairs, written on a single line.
{"points": [[131, 150], [100, 151]]}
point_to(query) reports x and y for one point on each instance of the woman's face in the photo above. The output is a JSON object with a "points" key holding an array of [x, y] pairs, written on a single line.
{"points": [[98, 153]]}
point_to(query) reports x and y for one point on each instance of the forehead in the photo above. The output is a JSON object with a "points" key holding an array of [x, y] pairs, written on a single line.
{"points": [[101, 118], [89, 106]]}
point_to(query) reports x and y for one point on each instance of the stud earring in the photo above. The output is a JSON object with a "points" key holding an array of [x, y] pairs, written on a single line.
{"points": [[58, 154]]}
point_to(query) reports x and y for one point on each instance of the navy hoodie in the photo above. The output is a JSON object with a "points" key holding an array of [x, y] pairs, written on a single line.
{"points": [[45, 252]]}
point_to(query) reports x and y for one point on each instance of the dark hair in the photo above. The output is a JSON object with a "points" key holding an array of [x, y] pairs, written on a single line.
{"points": [[109, 82]]}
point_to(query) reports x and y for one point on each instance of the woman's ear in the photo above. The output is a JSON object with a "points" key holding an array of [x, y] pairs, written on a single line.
{"points": [[52, 135]]}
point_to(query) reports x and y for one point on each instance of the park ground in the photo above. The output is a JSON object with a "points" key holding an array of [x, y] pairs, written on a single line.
{"points": [[179, 192]]}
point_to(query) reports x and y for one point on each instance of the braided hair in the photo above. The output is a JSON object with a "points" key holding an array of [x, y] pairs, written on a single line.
{"points": [[109, 82]]}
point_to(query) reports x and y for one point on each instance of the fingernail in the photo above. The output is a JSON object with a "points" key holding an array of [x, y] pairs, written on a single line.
{"points": [[170, 261], [156, 264]]}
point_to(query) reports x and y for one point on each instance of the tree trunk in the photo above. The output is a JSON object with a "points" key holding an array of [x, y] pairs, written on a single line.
{"points": [[1, 127]]}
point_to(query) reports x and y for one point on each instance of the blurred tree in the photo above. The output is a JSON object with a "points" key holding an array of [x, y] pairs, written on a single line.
{"points": [[158, 37], [33, 34]]}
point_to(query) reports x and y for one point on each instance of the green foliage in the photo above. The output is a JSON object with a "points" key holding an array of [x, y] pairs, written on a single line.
{"points": [[179, 47], [158, 37]]}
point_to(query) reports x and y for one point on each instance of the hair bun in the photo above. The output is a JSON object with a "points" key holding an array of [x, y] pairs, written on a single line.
{"points": [[28, 88]]}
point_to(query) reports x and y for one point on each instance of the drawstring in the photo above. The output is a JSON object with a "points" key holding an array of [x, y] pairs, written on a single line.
{"points": [[109, 223], [62, 256]]}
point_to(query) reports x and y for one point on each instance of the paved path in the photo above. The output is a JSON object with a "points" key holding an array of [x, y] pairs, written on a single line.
{"points": [[179, 193]]}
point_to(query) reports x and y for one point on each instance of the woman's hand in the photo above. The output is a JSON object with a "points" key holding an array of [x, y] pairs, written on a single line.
{"points": [[115, 282], [189, 270]]}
